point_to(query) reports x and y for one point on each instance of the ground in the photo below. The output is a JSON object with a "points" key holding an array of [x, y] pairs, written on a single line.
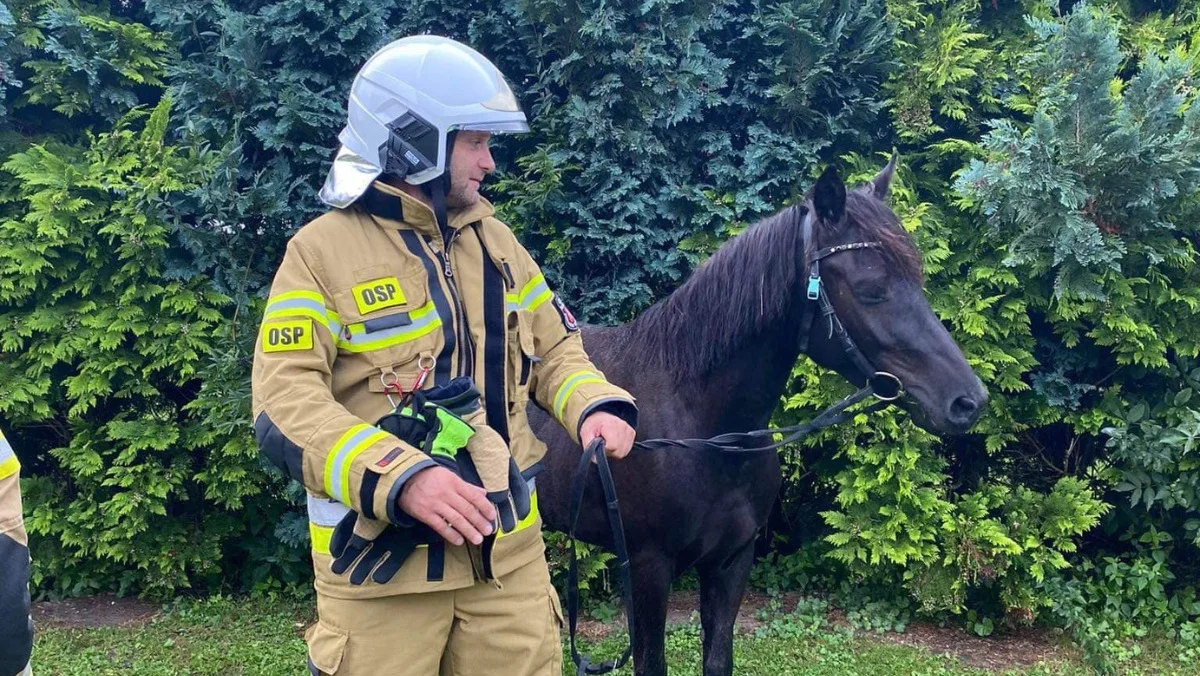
{"points": [[1020, 650], [263, 637]]}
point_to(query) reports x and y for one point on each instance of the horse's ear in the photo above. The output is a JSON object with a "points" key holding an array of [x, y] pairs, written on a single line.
{"points": [[883, 180], [829, 197]]}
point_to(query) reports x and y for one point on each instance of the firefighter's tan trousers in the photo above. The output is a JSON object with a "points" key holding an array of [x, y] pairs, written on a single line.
{"points": [[476, 631]]}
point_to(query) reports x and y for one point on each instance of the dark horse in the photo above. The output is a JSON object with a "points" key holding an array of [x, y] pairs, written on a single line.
{"points": [[714, 357]]}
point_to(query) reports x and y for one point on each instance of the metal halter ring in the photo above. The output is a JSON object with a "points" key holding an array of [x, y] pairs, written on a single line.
{"points": [[426, 362], [886, 386]]}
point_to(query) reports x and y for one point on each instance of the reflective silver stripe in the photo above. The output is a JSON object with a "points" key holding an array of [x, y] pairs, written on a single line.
{"points": [[424, 320], [531, 297], [568, 388], [301, 303], [6, 450], [325, 512]]}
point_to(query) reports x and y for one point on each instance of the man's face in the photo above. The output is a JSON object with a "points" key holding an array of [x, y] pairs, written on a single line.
{"points": [[470, 161]]}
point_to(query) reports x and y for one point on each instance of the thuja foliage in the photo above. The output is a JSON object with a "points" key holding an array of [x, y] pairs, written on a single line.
{"points": [[1061, 250], [103, 353], [158, 155]]}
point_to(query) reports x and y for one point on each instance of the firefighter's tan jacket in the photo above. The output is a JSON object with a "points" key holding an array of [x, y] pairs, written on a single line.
{"points": [[365, 298], [16, 629]]}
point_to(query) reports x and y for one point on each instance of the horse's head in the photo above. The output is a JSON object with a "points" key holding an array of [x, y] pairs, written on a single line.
{"points": [[876, 292]]}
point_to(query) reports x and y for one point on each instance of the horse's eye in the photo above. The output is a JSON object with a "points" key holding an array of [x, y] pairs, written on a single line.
{"points": [[871, 294]]}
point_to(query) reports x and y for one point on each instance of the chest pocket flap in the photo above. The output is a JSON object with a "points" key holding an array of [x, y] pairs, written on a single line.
{"points": [[388, 315]]}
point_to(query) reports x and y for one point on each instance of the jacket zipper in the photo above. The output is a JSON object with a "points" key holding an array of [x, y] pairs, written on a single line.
{"points": [[466, 364]]}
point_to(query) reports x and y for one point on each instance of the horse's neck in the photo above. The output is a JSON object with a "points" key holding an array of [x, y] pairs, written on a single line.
{"points": [[724, 343], [742, 392]]}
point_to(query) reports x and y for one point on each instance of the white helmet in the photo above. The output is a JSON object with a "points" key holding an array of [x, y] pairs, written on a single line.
{"points": [[404, 102]]}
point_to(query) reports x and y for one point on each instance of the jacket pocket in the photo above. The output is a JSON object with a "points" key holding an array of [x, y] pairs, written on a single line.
{"points": [[521, 355], [389, 320], [326, 647]]}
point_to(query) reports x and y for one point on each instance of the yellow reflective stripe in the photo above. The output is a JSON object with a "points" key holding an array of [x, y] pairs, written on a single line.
{"points": [[341, 457], [529, 287], [569, 386], [288, 313], [9, 467], [527, 521], [541, 298], [321, 535], [8, 459], [296, 295], [532, 295], [303, 304], [425, 320]]}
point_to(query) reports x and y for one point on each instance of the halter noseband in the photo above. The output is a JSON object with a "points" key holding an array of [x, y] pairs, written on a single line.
{"points": [[885, 386]]}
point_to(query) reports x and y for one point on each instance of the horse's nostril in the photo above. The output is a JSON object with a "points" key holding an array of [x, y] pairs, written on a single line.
{"points": [[963, 410]]}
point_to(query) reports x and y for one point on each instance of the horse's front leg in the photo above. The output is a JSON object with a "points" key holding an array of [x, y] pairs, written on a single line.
{"points": [[722, 583], [652, 574]]}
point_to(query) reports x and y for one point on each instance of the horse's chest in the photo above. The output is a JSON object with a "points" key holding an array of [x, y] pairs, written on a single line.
{"points": [[740, 492]]}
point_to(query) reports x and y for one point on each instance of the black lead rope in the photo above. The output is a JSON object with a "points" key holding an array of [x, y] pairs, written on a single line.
{"points": [[595, 450], [741, 442]]}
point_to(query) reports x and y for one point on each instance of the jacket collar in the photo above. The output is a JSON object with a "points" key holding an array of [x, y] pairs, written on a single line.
{"points": [[392, 207]]}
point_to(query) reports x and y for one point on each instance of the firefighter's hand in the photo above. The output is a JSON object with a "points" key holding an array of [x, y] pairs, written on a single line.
{"points": [[617, 434], [450, 506]]}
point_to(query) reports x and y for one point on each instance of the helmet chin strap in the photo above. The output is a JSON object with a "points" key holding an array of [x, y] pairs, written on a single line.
{"points": [[439, 188]]}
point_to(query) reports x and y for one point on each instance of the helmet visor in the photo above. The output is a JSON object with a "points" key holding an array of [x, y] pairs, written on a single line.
{"points": [[496, 127]]}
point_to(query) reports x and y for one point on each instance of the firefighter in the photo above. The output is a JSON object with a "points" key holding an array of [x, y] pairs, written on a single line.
{"points": [[16, 627], [405, 294]]}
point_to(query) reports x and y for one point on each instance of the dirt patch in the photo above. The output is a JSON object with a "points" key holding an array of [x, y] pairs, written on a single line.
{"points": [[1019, 649], [93, 611]]}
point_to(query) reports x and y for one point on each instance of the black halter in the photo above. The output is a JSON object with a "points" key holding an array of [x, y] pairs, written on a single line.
{"points": [[885, 386]]}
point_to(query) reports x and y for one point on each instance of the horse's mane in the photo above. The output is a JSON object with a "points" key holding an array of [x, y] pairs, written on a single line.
{"points": [[748, 284]]}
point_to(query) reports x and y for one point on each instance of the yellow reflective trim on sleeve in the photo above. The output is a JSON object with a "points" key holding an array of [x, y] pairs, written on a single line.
{"points": [[541, 298], [297, 294], [537, 280], [9, 467], [8, 459], [341, 458], [318, 315], [531, 296], [321, 535], [568, 388], [294, 304]]}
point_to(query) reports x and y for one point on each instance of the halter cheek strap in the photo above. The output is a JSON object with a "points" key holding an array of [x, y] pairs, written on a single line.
{"points": [[885, 386]]}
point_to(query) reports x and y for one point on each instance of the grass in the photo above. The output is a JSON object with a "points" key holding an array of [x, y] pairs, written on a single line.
{"points": [[262, 638]]}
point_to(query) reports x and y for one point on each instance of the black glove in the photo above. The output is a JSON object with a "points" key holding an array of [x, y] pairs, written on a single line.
{"points": [[373, 548], [513, 504]]}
